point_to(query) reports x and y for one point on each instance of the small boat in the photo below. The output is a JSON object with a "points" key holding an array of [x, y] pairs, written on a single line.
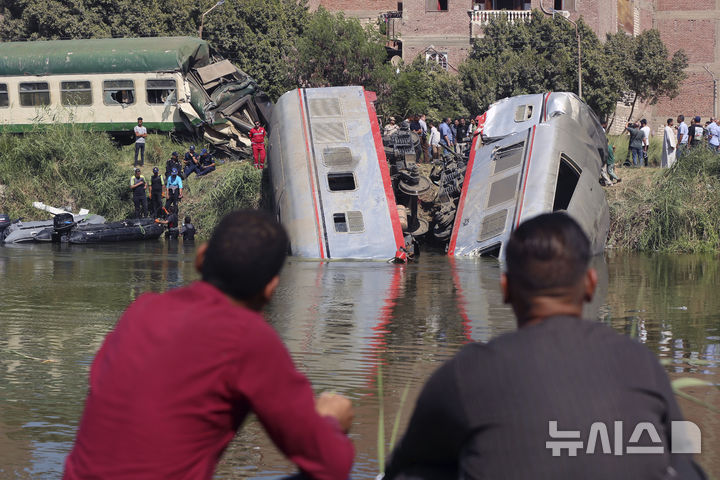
{"points": [[539, 153], [65, 230], [22, 232], [330, 179]]}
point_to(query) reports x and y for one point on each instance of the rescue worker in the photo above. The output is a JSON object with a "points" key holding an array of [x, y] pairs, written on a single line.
{"points": [[174, 162], [171, 223], [174, 189], [137, 185], [257, 138], [206, 163], [188, 231], [191, 162], [157, 192]]}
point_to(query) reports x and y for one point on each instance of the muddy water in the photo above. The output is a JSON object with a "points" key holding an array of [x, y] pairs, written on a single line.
{"points": [[372, 331]]}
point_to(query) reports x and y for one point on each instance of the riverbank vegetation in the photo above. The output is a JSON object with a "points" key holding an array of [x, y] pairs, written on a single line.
{"points": [[66, 166], [669, 210]]}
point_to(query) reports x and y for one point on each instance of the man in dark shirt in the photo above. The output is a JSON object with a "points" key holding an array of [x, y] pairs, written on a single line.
{"points": [[636, 143], [175, 379], [206, 163], [505, 408], [172, 163], [696, 132], [138, 186], [188, 231], [192, 162]]}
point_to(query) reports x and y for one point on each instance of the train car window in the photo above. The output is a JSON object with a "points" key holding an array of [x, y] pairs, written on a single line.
{"points": [[4, 101], [338, 182], [160, 92], [118, 92], [567, 179], [75, 93], [34, 94]]}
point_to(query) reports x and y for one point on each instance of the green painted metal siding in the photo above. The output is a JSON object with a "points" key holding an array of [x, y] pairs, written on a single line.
{"points": [[105, 55]]}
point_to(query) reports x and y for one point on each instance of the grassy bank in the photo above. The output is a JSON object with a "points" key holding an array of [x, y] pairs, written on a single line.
{"points": [[675, 210], [67, 166]]}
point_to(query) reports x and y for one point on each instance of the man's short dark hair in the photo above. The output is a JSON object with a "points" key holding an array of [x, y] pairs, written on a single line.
{"points": [[643, 121], [187, 219], [547, 252], [681, 118], [139, 118], [669, 121], [246, 250]]}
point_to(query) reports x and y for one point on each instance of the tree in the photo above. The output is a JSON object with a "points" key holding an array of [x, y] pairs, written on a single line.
{"points": [[645, 66], [421, 87], [335, 50], [535, 57]]}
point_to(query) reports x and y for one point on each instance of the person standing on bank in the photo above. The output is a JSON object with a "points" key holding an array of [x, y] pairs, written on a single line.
{"points": [[168, 392], [636, 144], [174, 189], [257, 139], [696, 133], [496, 409], [646, 139], [138, 185], [157, 192], [669, 145], [140, 135], [682, 137]]}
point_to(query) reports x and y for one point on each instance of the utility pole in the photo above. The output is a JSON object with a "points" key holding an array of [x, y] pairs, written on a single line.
{"points": [[552, 12], [202, 18], [714, 91]]}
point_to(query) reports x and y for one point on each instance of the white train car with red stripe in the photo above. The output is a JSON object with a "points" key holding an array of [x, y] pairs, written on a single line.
{"points": [[539, 153], [330, 179]]}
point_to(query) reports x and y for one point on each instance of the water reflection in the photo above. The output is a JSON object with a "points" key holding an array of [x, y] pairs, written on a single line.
{"points": [[348, 325]]}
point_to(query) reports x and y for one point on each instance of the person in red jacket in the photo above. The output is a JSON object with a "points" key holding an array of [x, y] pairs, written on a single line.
{"points": [[257, 138], [169, 392]]}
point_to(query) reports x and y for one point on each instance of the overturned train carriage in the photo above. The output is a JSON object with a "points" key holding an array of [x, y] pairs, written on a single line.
{"points": [[539, 153], [174, 83], [330, 179]]}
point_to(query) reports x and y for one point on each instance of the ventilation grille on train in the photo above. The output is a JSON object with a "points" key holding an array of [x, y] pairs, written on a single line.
{"points": [[355, 222], [502, 191], [337, 157], [329, 132], [325, 107], [492, 225], [508, 157]]}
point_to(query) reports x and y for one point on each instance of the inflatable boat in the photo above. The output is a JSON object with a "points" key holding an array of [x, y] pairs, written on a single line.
{"points": [[64, 230]]}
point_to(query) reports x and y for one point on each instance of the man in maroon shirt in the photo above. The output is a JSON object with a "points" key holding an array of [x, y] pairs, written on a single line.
{"points": [[175, 379]]}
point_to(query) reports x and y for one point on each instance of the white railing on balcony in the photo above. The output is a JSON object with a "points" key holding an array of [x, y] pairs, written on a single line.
{"points": [[483, 17]]}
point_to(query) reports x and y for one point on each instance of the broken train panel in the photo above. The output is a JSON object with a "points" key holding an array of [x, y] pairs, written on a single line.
{"points": [[542, 153], [329, 176]]}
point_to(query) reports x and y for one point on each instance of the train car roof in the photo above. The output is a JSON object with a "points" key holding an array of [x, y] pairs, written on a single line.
{"points": [[103, 55]]}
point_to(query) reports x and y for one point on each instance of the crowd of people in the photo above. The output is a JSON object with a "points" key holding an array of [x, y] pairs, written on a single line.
{"points": [[678, 140], [448, 135], [148, 195]]}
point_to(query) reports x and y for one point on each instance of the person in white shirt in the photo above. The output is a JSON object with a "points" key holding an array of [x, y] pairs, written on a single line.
{"points": [[140, 134], [646, 139], [424, 139], [669, 145], [391, 127], [434, 140], [714, 133], [682, 136]]}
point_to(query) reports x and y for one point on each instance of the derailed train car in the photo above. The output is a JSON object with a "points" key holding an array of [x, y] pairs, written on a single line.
{"points": [[539, 153], [330, 179], [174, 83]]}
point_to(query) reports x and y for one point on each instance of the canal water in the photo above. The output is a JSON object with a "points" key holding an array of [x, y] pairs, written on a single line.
{"points": [[370, 330]]}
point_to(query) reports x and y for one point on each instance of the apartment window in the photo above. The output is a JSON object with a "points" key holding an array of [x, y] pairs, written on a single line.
{"points": [[118, 92], [440, 57], [160, 92], [4, 101], [75, 93], [34, 94], [436, 5], [568, 5]]}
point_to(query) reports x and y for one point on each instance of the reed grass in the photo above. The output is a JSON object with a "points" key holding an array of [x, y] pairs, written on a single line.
{"points": [[670, 210]]}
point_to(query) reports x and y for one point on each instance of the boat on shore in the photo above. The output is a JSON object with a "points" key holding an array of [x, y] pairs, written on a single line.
{"points": [[533, 154], [65, 230], [23, 232]]}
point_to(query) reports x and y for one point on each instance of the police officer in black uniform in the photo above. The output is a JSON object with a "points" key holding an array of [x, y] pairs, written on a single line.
{"points": [[138, 184], [173, 162], [157, 192], [188, 231]]}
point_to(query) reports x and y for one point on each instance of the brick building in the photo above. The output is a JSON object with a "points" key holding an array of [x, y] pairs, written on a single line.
{"points": [[442, 30]]}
